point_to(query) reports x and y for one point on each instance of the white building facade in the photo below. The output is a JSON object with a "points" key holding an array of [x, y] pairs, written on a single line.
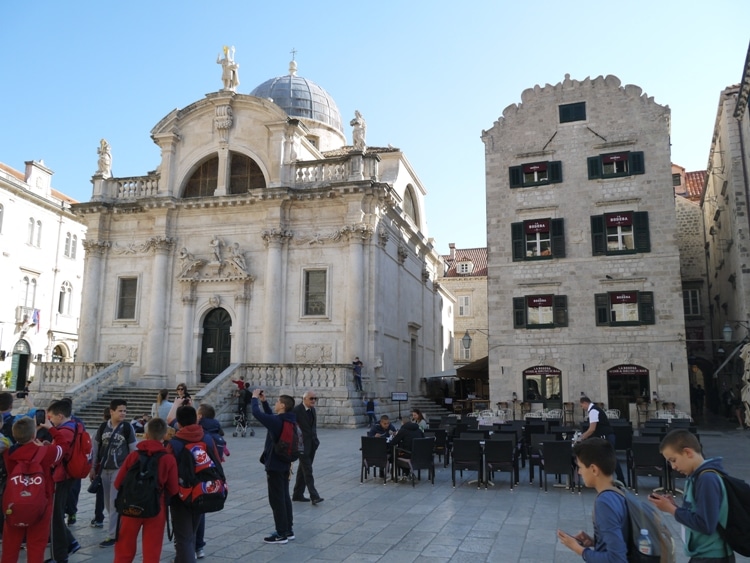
{"points": [[264, 241], [584, 291], [42, 263]]}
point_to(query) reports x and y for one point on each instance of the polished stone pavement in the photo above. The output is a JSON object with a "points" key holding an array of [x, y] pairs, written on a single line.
{"points": [[395, 522]]}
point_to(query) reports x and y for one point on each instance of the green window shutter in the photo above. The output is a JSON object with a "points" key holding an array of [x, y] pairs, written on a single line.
{"points": [[601, 301], [641, 234], [646, 307], [557, 236], [598, 236], [519, 312], [516, 230], [555, 172], [560, 310], [595, 167], [635, 163], [515, 176]]}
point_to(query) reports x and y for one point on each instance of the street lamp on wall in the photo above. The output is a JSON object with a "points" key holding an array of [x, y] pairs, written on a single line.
{"points": [[466, 341], [726, 332]]}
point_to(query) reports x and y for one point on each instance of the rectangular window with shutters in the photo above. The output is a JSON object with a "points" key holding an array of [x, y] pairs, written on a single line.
{"points": [[315, 293], [535, 174], [625, 308], [624, 232], [464, 305], [540, 311], [615, 165], [538, 239], [691, 300], [127, 298], [572, 112]]}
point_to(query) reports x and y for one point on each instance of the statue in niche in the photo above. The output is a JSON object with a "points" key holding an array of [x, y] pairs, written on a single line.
{"points": [[237, 258], [105, 159], [189, 263], [229, 69], [358, 132], [216, 244]]}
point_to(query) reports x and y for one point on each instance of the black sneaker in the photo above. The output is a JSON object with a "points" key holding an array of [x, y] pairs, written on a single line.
{"points": [[290, 536], [109, 542], [317, 500], [96, 524], [73, 547], [275, 538]]}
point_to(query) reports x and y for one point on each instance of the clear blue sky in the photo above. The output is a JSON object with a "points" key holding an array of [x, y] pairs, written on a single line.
{"points": [[427, 76]]}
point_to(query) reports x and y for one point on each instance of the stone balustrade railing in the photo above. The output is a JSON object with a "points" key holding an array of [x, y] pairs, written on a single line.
{"points": [[319, 171], [84, 382], [66, 374], [136, 187]]}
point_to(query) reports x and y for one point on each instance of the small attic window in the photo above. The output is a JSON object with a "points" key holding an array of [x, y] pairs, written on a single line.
{"points": [[465, 267], [410, 206]]}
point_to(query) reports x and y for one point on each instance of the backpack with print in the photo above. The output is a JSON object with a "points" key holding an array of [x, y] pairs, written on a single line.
{"points": [[290, 445], [643, 516], [25, 499], [737, 532], [140, 495], [203, 486], [78, 464]]}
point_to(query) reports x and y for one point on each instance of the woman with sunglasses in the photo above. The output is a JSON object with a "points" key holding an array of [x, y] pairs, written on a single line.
{"points": [[183, 399]]}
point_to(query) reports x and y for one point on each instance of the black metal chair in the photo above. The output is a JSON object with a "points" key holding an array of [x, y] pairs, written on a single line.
{"points": [[422, 456], [441, 444], [536, 454], [624, 443], [646, 460], [557, 459], [375, 455], [499, 455], [466, 455], [474, 435]]}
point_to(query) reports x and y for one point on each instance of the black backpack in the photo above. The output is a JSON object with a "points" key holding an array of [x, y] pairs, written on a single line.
{"points": [[139, 495], [290, 444], [203, 486], [737, 532]]}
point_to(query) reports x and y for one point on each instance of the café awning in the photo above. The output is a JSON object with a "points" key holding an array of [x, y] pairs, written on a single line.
{"points": [[478, 369], [445, 373]]}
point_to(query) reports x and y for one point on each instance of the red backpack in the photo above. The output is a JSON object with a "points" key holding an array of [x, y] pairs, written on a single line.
{"points": [[78, 464], [25, 498], [203, 486], [290, 444]]}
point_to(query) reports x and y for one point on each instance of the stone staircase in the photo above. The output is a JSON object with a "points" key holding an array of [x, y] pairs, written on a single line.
{"points": [[139, 401], [429, 408]]}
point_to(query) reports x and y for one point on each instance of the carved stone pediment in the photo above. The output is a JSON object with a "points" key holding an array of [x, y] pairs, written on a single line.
{"points": [[225, 263]]}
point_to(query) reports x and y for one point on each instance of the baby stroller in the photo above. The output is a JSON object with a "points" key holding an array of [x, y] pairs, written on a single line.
{"points": [[241, 425]]}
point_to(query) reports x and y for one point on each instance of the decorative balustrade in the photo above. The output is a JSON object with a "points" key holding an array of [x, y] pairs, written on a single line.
{"points": [[67, 374], [319, 171], [136, 187]]}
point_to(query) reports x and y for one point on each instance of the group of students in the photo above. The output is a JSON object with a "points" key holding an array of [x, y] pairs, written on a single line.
{"points": [[114, 451], [703, 512]]}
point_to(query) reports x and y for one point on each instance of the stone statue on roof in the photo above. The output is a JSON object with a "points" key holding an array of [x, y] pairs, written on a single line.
{"points": [[105, 159], [358, 132], [229, 69]]}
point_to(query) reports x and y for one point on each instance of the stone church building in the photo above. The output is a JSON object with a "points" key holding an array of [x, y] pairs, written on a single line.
{"points": [[267, 246]]}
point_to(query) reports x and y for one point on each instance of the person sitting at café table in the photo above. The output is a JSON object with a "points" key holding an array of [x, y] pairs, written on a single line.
{"points": [[401, 442], [382, 429], [418, 417]]}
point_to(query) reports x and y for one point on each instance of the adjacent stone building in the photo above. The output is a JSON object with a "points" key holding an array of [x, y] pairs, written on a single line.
{"points": [[264, 245], [42, 272], [584, 289]]}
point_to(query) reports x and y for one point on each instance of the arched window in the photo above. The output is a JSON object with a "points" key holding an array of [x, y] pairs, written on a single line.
{"points": [[39, 233], [244, 175], [66, 294], [410, 205], [204, 180], [28, 291], [30, 237], [73, 246], [67, 244]]}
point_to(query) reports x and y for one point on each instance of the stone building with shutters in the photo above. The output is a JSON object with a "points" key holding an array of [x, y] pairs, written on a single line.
{"points": [[264, 245], [584, 291]]}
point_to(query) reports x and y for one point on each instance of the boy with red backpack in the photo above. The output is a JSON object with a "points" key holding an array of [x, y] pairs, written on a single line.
{"points": [[149, 450], [28, 492]]}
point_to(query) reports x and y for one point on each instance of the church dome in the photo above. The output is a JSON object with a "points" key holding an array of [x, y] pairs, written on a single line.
{"points": [[300, 97]]}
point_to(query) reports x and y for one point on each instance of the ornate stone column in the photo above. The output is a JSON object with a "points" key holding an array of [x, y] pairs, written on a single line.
{"points": [[274, 239], [156, 357], [187, 355], [358, 236], [88, 333], [239, 343]]}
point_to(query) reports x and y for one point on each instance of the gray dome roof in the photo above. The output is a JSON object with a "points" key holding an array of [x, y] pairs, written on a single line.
{"points": [[300, 97]]}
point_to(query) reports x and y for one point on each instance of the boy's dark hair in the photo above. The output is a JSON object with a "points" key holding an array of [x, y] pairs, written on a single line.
{"points": [[206, 411], [596, 451], [24, 430], [60, 406], [107, 414], [585, 399], [6, 401], [384, 417], [287, 401], [186, 415], [680, 439], [114, 403], [156, 428]]}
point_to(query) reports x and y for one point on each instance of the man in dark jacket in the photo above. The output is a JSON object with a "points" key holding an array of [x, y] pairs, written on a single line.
{"points": [[277, 470], [409, 431], [307, 419]]}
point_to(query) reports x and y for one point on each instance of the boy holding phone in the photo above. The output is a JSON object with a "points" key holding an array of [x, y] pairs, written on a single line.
{"points": [[596, 462], [705, 505]]}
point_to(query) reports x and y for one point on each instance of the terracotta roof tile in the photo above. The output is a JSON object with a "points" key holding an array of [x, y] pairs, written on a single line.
{"points": [[347, 150], [477, 256], [694, 182], [12, 172]]}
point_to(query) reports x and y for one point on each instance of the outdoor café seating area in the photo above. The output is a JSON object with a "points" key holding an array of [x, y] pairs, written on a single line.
{"points": [[489, 450]]}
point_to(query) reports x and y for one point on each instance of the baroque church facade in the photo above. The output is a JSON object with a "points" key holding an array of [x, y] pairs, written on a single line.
{"points": [[264, 245]]}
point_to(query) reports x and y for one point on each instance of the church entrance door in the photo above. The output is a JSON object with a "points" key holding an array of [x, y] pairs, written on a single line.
{"points": [[217, 344]]}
